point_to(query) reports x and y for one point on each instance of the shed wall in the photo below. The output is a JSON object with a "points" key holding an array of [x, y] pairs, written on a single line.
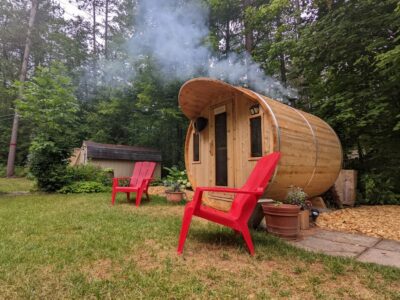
{"points": [[121, 168]]}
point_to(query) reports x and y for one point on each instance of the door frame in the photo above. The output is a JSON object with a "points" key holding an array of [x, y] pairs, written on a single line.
{"points": [[228, 107]]}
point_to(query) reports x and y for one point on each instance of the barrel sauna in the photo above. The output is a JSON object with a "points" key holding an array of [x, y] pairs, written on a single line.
{"points": [[232, 127]]}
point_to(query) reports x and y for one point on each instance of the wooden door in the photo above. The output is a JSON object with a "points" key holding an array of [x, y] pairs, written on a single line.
{"points": [[221, 149]]}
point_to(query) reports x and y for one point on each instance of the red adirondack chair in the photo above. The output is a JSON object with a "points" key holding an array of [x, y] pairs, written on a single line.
{"points": [[242, 206], [139, 182]]}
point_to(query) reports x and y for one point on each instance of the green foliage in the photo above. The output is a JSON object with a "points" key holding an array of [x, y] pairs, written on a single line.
{"points": [[342, 56], [296, 196], [49, 104], [379, 190], [176, 179], [84, 187], [349, 68], [89, 173], [48, 164]]}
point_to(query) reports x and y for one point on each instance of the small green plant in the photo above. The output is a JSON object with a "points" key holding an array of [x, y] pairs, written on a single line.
{"points": [[89, 173], [84, 187], [176, 180], [378, 190], [296, 196]]}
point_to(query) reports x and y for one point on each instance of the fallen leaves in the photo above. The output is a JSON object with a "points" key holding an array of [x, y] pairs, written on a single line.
{"points": [[381, 221]]}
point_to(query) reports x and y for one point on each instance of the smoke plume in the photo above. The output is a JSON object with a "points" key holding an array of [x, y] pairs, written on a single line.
{"points": [[174, 33]]}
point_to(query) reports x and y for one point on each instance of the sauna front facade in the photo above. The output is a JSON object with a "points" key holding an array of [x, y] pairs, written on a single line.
{"points": [[236, 127]]}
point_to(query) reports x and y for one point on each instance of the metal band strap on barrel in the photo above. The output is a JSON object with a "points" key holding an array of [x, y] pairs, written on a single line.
{"points": [[315, 143], [278, 131]]}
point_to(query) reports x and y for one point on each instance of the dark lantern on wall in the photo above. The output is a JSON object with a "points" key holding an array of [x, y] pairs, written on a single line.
{"points": [[254, 109], [200, 123]]}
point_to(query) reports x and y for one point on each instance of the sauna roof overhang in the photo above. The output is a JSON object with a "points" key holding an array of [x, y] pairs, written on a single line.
{"points": [[197, 93]]}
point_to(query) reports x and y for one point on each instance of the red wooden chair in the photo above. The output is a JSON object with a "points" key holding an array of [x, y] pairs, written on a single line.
{"points": [[242, 206], [139, 182]]}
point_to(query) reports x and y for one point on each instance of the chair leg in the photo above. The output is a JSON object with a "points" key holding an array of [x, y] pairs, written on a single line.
{"points": [[128, 196], [247, 239], [147, 196], [187, 218], [139, 194], [113, 197]]}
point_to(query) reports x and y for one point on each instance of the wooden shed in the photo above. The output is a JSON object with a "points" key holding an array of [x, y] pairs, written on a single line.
{"points": [[120, 158], [232, 127]]}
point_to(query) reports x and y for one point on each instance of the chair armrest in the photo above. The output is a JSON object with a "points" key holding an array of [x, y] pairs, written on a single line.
{"points": [[200, 190], [117, 179], [231, 190]]}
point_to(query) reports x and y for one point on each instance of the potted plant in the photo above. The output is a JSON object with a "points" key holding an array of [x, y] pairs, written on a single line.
{"points": [[177, 182], [297, 196], [174, 193], [282, 219]]}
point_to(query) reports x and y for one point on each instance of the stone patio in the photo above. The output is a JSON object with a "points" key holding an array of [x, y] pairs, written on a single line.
{"points": [[360, 247]]}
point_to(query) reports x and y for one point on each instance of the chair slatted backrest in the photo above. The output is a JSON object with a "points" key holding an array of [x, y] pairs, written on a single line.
{"points": [[142, 170], [258, 178]]}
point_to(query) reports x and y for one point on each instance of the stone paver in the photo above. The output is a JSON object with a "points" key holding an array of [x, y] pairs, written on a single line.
{"points": [[329, 247], [360, 247], [388, 245], [382, 257], [350, 238]]}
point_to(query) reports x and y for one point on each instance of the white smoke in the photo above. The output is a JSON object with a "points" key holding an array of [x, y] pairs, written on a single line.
{"points": [[173, 33]]}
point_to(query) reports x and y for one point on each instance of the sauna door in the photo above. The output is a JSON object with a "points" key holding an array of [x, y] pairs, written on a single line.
{"points": [[221, 145]]}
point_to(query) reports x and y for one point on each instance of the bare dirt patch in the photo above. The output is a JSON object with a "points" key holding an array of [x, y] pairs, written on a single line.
{"points": [[379, 221], [101, 269]]}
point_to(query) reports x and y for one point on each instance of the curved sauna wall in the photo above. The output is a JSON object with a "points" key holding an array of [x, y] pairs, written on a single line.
{"points": [[237, 126]]}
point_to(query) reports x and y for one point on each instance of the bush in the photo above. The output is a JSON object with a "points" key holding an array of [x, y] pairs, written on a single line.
{"points": [[378, 189], [48, 164], [84, 187], [89, 173], [177, 177]]}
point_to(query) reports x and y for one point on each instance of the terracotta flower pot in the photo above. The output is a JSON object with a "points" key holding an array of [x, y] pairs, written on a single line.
{"points": [[282, 220], [174, 196]]}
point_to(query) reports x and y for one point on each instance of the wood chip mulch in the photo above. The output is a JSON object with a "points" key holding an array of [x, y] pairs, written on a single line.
{"points": [[160, 191], [381, 221]]}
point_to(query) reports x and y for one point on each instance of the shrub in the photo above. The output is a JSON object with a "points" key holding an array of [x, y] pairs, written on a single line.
{"points": [[48, 164], [176, 178], [378, 189], [89, 173], [49, 104], [84, 187]]}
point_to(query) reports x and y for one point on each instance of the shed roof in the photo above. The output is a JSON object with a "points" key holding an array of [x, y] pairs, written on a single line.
{"points": [[121, 152]]}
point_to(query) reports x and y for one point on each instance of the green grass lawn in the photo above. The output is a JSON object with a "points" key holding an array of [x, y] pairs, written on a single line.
{"points": [[10, 185], [78, 246]]}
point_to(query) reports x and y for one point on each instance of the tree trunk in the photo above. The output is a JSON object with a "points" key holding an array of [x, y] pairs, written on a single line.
{"points": [[249, 39], [283, 68], [106, 32], [281, 56], [22, 77], [94, 26], [227, 38]]}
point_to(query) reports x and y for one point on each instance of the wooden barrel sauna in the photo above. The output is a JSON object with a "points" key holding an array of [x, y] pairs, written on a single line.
{"points": [[232, 127]]}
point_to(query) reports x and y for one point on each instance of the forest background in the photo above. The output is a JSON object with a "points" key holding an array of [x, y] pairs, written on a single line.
{"points": [[339, 60]]}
